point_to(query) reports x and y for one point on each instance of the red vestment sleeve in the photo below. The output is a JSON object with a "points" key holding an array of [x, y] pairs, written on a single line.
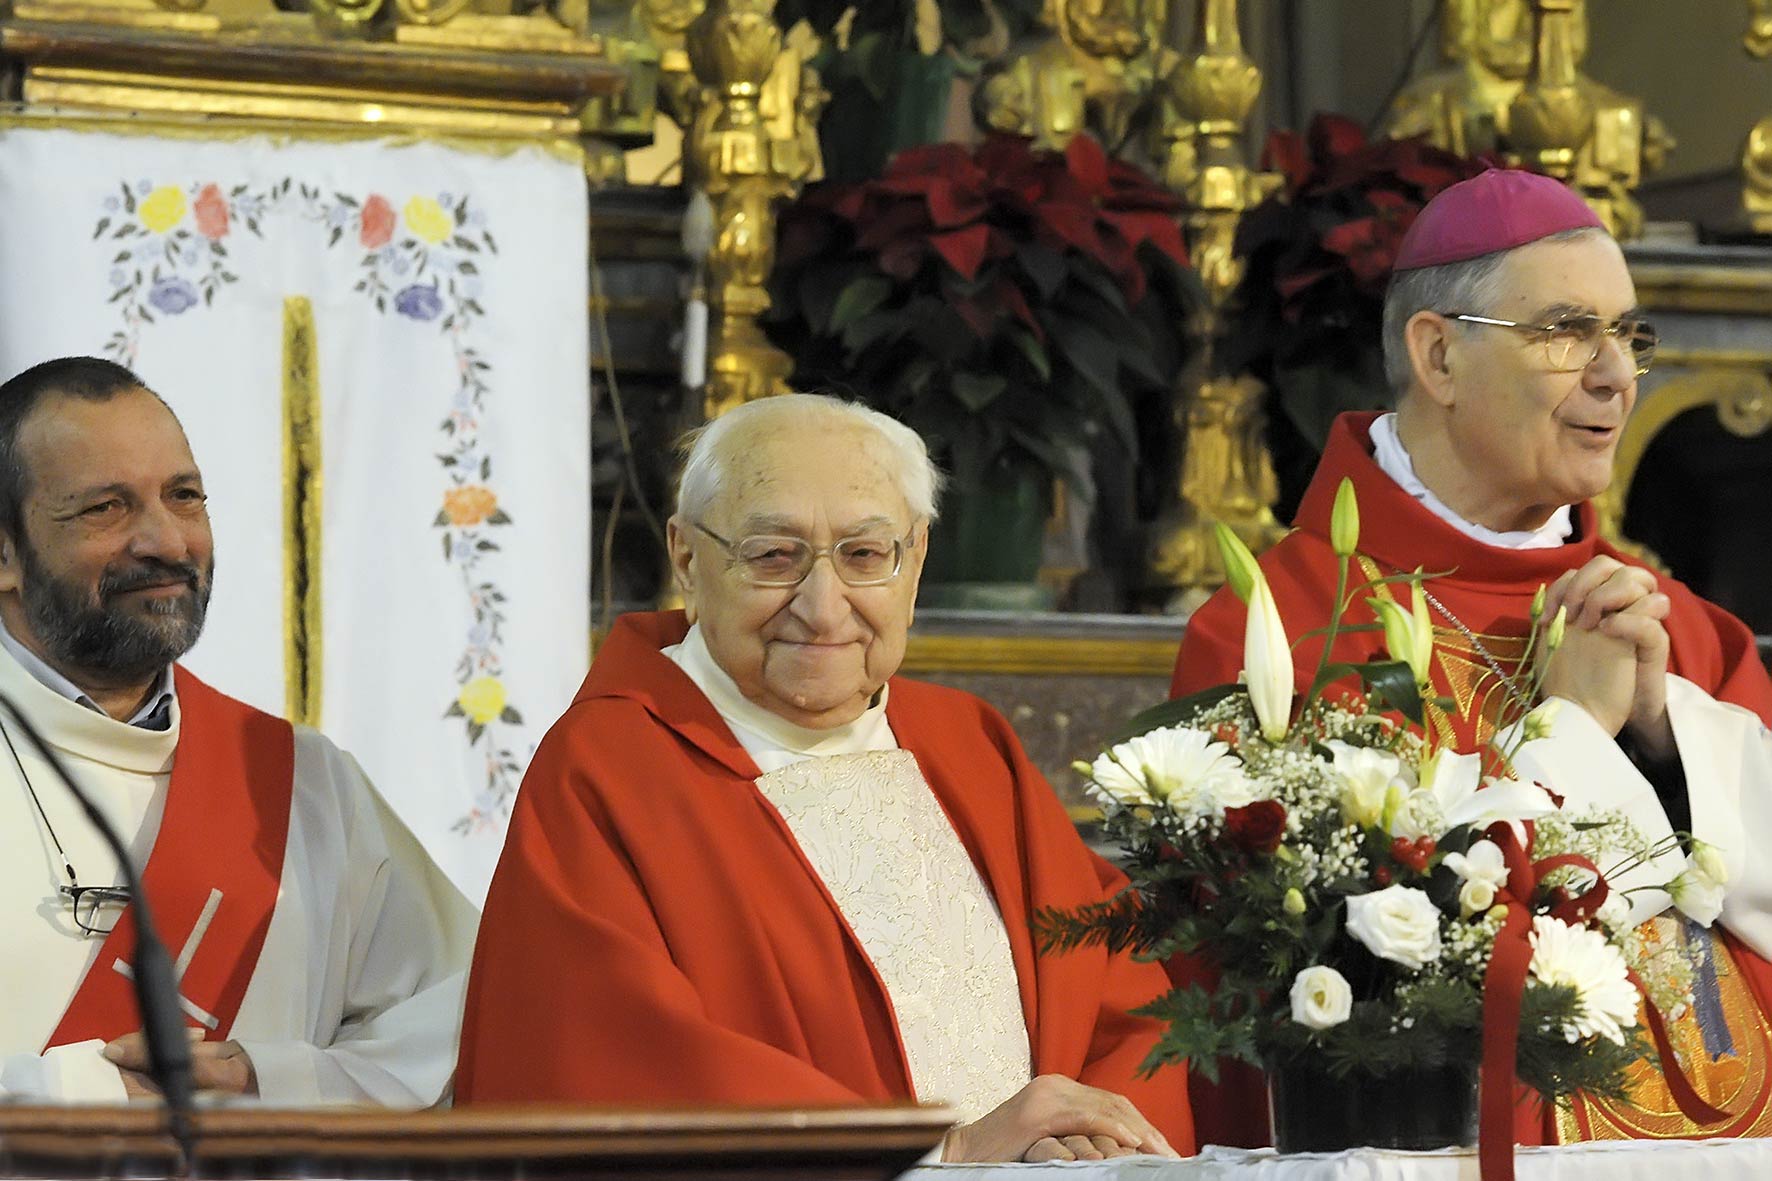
{"points": [[574, 993]]}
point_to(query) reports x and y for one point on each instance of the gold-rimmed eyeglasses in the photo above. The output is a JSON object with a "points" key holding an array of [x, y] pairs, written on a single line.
{"points": [[1572, 343], [767, 560]]}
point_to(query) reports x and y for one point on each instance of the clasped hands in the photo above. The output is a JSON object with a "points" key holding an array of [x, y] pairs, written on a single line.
{"points": [[1056, 1118], [216, 1067], [1613, 659]]}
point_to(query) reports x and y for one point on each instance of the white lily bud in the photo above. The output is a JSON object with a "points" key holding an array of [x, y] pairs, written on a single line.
{"points": [[1239, 563], [1267, 661]]}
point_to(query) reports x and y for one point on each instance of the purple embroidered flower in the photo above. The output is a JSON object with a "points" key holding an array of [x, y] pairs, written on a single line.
{"points": [[419, 302], [172, 295], [398, 265], [117, 276], [111, 204]]}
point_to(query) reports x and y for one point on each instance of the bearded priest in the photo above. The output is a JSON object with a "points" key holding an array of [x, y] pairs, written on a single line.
{"points": [[752, 866], [320, 953], [1514, 342]]}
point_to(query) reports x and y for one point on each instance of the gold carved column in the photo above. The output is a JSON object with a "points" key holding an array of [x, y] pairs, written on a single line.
{"points": [[751, 141], [1756, 158], [1226, 474]]}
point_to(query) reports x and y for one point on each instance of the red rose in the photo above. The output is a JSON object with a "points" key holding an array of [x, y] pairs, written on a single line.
{"points": [[378, 222], [1256, 827], [210, 211]]}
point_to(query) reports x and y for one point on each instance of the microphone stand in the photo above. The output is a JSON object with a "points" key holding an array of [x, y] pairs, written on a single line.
{"points": [[156, 988]]}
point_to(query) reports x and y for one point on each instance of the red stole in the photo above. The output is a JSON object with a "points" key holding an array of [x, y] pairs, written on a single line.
{"points": [[224, 828]]}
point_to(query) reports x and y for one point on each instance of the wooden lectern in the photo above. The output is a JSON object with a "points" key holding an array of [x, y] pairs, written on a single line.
{"points": [[478, 1143]]}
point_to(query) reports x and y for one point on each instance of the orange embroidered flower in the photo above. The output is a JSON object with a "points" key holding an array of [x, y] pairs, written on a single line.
{"points": [[469, 504], [210, 210], [378, 222]]}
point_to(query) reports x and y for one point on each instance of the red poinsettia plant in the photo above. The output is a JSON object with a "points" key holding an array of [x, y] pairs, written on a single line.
{"points": [[1007, 302], [1319, 254]]}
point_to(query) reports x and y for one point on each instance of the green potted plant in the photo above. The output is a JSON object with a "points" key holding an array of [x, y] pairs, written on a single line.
{"points": [[1020, 308]]}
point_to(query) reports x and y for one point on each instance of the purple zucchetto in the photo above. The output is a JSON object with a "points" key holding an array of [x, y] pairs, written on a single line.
{"points": [[1494, 210]]}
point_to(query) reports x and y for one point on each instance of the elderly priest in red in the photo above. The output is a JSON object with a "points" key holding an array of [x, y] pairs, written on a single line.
{"points": [[751, 866], [320, 954], [1514, 342]]}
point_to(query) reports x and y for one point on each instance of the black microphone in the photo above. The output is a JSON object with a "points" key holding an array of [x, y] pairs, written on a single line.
{"points": [[156, 988]]}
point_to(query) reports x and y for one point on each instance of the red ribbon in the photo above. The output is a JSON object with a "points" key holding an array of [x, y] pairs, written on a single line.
{"points": [[1504, 989]]}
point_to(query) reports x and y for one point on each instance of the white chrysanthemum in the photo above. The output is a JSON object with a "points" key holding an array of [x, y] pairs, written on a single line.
{"points": [[1178, 766], [1584, 960]]}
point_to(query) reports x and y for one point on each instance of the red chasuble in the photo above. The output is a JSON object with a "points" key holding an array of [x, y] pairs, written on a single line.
{"points": [[1489, 590], [212, 877], [654, 934]]}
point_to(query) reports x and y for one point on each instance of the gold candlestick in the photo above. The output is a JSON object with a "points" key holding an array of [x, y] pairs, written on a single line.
{"points": [[751, 141], [1226, 474]]}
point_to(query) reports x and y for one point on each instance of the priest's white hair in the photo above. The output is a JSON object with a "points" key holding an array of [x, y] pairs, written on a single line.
{"points": [[705, 453]]}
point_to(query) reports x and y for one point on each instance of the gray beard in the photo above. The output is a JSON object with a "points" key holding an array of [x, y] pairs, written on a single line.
{"points": [[76, 630]]}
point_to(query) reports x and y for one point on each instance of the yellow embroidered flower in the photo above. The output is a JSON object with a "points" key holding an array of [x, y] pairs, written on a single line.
{"points": [[163, 208], [482, 699], [426, 218]]}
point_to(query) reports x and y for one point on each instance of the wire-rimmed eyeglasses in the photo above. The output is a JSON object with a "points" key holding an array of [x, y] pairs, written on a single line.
{"points": [[768, 560], [1572, 343]]}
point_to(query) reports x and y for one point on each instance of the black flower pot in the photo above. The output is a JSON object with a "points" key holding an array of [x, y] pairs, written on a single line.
{"points": [[1410, 1109]]}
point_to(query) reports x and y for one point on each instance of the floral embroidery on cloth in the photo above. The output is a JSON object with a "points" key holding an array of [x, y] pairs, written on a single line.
{"points": [[171, 254]]}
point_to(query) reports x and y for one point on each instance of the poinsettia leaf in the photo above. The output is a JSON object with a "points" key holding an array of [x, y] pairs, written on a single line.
{"points": [[1032, 349], [1052, 456], [963, 249], [1174, 713], [977, 391], [861, 296], [1091, 352], [1045, 266]]}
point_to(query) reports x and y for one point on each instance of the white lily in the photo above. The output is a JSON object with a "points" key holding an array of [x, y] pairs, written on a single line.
{"points": [[1267, 661], [1456, 781]]}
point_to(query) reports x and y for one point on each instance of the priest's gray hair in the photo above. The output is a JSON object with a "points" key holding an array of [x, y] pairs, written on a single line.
{"points": [[704, 453], [1471, 287]]}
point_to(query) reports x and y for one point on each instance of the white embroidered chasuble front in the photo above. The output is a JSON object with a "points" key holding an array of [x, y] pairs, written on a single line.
{"points": [[867, 821], [873, 830]]}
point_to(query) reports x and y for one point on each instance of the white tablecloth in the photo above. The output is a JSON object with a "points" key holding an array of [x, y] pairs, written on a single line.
{"points": [[1709, 1160]]}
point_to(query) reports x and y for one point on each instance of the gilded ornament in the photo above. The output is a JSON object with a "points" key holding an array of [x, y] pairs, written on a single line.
{"points": [[1756, 157], [1089, 67], [751, 141], [1490, 47], [1226, 475]]}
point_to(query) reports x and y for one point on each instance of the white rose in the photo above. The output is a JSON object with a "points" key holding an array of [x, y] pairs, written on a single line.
{"points": [[1397, 923], [1698, 895], [1614, 913], [1709, 858], [1321, 997]]}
